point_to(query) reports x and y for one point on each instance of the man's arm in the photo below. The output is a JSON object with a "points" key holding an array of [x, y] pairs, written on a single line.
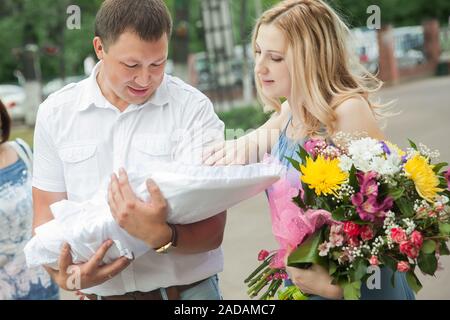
{"points": [[148, 220], [42, 201], [201, 236]]}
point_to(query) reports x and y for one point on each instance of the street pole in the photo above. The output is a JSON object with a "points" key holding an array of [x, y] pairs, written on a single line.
{"points": [[247, 86], [258, 8]]}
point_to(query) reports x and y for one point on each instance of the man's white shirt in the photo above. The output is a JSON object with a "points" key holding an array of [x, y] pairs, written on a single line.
{"points": [[81, 139]]}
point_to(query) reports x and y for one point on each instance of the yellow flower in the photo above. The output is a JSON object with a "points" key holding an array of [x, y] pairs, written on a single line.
{"points": [[323, 175], [425, 180], [394, 147]]}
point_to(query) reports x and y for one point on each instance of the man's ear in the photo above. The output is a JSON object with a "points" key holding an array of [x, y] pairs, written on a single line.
{"points": [[99, 48]]}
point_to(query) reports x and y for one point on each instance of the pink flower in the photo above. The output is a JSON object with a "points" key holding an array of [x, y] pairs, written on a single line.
{"points": [[398, 235], [336, 240], [351, 229], [374, 261], [417, 239], [447, 177], [403, 266], [408, 248], [313, 146], [263, 254], [366, 233]]}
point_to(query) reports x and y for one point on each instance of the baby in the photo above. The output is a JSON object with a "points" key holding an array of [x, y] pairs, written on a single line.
{"points": [[193, 193]]}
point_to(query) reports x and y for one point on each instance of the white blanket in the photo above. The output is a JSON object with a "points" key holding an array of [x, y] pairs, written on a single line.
{"points": [[193, 193]]}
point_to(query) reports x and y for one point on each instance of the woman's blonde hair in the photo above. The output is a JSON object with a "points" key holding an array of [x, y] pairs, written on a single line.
{"points": [[320, 63]]}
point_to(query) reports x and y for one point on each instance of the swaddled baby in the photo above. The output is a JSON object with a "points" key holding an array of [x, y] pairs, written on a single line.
{"points": [[193, 193]]}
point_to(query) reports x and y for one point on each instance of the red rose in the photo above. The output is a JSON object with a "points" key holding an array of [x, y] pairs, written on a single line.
{"points": [[398, 235], [417, 239], [403, 266], [353, 241], [366, 233], [351, 229], [408, 248]]}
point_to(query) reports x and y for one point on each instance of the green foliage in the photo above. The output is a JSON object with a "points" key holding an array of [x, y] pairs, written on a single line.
{"points": [[244, 118]]}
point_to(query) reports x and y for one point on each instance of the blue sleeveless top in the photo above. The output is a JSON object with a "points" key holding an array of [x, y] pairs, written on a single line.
{"points": [[286, 147], [17, 281]]}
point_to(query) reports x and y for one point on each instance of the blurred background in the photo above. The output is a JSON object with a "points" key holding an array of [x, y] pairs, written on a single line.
{"points": [[47, 44]]}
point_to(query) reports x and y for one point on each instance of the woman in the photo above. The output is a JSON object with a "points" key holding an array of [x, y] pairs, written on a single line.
{"points": [[17, 282], [301, 56]]}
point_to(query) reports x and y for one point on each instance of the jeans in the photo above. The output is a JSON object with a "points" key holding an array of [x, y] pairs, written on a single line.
{"points": [[206, 290]]}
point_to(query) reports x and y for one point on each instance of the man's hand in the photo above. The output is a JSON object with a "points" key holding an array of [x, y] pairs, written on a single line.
{"points": [[144, 220], [72, 277]]}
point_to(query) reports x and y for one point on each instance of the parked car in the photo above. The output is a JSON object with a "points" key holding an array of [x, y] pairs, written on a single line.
{"points": [[13, 97], [58, 83]]}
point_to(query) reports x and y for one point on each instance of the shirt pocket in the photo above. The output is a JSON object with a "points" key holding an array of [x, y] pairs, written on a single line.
{"points": [[151, 148], [81, 169]]}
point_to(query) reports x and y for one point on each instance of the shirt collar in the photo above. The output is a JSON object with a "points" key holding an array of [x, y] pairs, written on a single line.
{"points": [[92, 95]]}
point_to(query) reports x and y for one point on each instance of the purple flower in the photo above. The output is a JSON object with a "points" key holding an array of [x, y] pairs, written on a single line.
{"points": [[447, 177], [368, 183], [404, 159], [385, 148], [366, 202]]}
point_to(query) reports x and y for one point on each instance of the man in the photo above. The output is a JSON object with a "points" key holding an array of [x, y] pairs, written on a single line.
{"points": [[124, 114]]}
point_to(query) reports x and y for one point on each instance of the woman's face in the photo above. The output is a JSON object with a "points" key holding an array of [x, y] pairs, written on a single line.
{"points": [[270, 62]]}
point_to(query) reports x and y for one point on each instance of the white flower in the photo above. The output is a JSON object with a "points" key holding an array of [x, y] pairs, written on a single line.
{"points": [[324, 248], [365, 149], [345, 163]]}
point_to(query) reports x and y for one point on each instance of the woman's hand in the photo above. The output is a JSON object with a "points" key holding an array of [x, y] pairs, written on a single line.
{"points": [[232, 152], [316, 281]]}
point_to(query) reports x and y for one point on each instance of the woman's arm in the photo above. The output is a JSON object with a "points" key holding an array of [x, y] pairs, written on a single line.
{"points": [[251, 147]]}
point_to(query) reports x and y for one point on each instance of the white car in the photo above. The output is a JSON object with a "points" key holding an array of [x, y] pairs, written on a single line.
{"points": [[13, 97]]}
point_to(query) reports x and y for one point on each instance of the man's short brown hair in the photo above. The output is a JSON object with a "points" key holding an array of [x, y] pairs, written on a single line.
{"points": [[149, 19]]}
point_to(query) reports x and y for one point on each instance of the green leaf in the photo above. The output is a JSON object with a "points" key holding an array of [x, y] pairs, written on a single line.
{"points": [[412, 144], [405, 207], [396, 193], [309, 195], [339, 214], [360, 269], [332, 267], [352, 290], [429, 246], [389, 261], [303, 154], [308, 252], [294, 163], [353, 181], [444, 229], [439, 166], [413, 281], [427, 263], [443, 249], [298, 200]]}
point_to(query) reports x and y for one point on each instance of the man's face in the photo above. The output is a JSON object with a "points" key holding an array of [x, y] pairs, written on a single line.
{"points": [[132, 69]]}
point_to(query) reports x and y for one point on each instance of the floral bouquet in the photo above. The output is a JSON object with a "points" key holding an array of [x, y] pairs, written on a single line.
{"points": [[352, 205]]}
